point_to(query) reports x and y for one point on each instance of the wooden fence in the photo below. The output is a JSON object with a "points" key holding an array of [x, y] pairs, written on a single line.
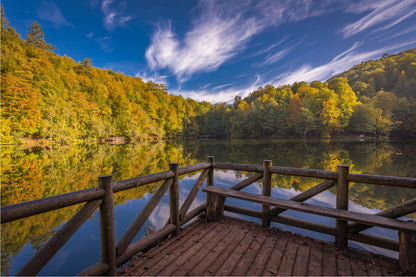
{"points": [[116, 254]]}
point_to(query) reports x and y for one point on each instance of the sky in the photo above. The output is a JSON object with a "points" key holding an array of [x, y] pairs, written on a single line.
{"points": [[213, 50]]}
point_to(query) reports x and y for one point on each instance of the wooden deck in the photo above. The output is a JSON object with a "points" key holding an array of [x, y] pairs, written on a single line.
{"points": [[236, 247]]}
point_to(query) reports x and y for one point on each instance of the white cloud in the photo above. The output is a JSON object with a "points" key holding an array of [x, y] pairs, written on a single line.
{"points": [[154, 77], [221, 96], [50, 11], [221, 30], [337, 65], [390, 12], [113, 16]]}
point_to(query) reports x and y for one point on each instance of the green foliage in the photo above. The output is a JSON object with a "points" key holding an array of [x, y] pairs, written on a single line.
{"points": [[373, 98]]}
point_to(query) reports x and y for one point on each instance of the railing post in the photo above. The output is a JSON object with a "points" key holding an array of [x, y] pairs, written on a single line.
{"points": [[342, 203], [107, 227], [267, 191], [215, 204], [407, 252], [174, 198], [210, 177]]}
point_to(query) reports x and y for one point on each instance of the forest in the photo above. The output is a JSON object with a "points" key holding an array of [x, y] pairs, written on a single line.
{"points": [[46, 96], [50, 97], [374, 98]]}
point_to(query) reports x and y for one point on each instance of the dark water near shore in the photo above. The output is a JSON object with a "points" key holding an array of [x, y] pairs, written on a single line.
{"points": [[29, 174]]}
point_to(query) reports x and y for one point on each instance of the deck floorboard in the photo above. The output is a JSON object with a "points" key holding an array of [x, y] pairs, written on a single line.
{"points": [[237, 247]]}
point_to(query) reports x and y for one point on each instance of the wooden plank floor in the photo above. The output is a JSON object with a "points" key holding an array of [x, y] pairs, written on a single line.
{"points": [[233, 247]]}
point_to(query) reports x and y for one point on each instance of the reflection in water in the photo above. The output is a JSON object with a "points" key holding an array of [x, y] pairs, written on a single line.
{"points": [[29, 174]]}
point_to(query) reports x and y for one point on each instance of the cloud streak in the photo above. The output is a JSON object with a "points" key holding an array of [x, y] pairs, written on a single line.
{"points": [[390, 12], [221, 30], [337, 65], [114, 16], [50, 11]]}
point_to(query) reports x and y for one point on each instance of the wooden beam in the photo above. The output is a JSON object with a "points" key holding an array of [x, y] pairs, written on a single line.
{"points": [[131, 232], [192, 168], [342, 204], [97, 269], [314, 173], [144, 243], [195, 212], [407, 252], [305, 195], [239, 167], [404, 182], [26, 209], [314, 209], [267, 191], [107, 226], [192, 194], [393, 212], [49, 249], [248, 181], [376, 241], [142, 180], [174, 199]]}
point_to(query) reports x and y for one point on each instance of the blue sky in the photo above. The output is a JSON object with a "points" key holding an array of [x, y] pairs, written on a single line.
{"points": [[214, 50]]}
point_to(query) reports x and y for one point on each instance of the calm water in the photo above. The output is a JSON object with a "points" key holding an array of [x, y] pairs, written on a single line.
{"points": [[29, 174]]}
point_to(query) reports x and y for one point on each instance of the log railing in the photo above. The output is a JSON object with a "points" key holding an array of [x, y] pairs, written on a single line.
{"points": [[115, 254], [342, 230]]}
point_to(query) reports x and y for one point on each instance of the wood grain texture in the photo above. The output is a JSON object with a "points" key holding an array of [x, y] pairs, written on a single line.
{"points": [[231, 247]]}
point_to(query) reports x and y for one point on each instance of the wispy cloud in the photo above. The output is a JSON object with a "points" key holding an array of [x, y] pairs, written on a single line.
{"points": [[389, 12], [50, 11], [153, 76], [105, 43], [337, 65], [220, 31], [219, 95], [114, 15]]}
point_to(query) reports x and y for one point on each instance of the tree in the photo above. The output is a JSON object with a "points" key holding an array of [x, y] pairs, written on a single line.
{"points": [[363, 119], [35, 37]]}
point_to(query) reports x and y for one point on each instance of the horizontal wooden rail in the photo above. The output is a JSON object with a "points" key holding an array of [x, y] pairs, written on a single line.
{"points": [[318, 210], [192, 168], [314, 173], [142, 180], [239, 167], [320, 228], [373, 240], [26, 209], [383, 180]]}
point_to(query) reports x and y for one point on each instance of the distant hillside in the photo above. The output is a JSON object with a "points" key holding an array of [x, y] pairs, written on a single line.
{"points": [[373, 98], [394, 73], [44, 95]]}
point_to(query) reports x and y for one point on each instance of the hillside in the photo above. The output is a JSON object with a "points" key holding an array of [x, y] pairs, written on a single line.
{"points": [[394, 73], [374, 98], [44, 95]]}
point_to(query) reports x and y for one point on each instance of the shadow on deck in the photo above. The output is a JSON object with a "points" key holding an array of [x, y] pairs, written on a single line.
{"points": [[237, 247]]}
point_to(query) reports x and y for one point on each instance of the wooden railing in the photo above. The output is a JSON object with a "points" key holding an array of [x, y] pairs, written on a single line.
{"points": [[102, 197], [114, 255], [342, 230]]}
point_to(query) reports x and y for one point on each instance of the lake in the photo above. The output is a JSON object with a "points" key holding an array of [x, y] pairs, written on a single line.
{"points": [[29, 174]]}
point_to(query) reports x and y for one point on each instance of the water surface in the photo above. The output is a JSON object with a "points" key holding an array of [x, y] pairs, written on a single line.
{"points": [[29, 174]]}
